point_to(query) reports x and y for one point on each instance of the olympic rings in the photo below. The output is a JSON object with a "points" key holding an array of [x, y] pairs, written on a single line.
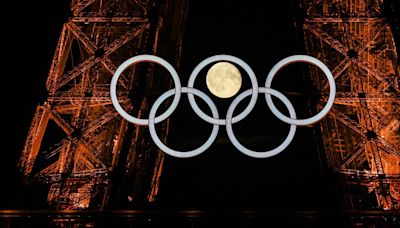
{"points": [[229, 120]]}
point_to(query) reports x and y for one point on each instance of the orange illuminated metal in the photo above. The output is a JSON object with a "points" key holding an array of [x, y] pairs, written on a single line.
{"points": [[76, 136], [361, 134]]}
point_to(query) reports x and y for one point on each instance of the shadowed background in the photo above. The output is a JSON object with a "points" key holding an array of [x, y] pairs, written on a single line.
{"points": [[220, 178]]}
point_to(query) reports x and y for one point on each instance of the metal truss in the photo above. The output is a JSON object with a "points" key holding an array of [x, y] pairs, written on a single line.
{"points": [[76, 136], [362, 133]]}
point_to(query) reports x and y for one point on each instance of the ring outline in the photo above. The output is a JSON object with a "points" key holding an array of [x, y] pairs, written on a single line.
{"points": [[252, 153], [307, 59], [139, 59], [233, 59], [176, 153]]}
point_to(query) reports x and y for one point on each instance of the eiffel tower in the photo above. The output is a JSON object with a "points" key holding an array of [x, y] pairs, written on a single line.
{"points": [[77, 144], [361, 134]]}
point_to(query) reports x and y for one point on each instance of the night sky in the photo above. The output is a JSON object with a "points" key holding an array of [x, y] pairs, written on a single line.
{"points": [[222, 177], [30, 33]]}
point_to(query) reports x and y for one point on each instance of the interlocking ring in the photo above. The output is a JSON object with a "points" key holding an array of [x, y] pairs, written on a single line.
{"points": [[138, 59], [243, 149], [254, 86], [308, 59], [229, 120], [172, 152]]}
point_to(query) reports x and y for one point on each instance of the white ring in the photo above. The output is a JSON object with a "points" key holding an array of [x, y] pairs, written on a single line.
{"points": [[308, 59], [172, 152], [254, 85], [252, 153], [138, 59]]}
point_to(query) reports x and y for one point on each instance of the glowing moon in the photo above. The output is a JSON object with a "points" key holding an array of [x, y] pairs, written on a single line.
{"points": [[224, 80]]}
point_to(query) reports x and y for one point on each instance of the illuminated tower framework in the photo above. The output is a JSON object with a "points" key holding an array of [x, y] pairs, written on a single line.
{"points": [[77, 142], [361, 135]]}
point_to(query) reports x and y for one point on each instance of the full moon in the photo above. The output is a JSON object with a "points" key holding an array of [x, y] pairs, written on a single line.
{"points": [[224, 80]]}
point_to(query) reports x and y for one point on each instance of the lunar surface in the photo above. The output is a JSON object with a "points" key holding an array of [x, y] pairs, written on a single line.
{"points": [[224, 79]]}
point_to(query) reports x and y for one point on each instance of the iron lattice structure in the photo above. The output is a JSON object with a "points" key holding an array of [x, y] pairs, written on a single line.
{"points": [[77, 142], [361, 135]]}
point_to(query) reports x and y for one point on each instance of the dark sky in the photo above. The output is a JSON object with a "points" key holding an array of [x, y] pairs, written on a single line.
{"points": [[221, 177], [30, 32]]}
